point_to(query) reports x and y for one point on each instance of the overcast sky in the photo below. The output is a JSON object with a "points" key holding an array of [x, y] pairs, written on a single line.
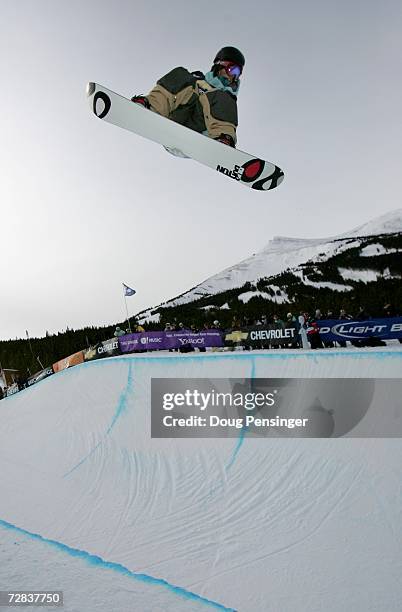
{"points": [[86, 206]]}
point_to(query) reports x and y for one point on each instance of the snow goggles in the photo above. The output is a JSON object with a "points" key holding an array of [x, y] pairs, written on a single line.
{"points": [[232, 69]]}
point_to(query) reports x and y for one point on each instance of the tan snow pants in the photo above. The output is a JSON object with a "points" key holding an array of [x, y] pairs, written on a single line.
{"points": [[164, 103]]}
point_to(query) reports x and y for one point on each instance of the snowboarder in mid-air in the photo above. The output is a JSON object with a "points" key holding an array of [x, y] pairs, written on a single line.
{"points": [[194, 116], [205, 103]]}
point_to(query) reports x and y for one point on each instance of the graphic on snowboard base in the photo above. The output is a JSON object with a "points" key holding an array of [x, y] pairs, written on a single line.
{"points": [[181, 141]]}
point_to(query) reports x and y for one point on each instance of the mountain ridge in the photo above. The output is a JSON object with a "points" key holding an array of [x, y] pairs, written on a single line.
{"points": [[282, 254]]}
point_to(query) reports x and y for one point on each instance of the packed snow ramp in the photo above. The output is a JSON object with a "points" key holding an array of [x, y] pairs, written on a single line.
{"points": [[253, 525]]}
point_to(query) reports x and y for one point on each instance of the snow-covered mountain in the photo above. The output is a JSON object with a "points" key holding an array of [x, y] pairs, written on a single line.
{"points": [[292, 254]]}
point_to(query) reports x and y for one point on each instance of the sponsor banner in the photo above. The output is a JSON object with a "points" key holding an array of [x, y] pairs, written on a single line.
{"points": [[264, 335], [108, 348], [384, 329], [276, 408], [12, 389], [40, 376], [91, 353], [169, 340], [209, 338], [142, 342], [69, 361]]}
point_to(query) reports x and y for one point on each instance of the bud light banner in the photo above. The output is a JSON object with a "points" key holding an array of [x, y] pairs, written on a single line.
{"points": [[158, 341], [108, 348], [383, 329]]}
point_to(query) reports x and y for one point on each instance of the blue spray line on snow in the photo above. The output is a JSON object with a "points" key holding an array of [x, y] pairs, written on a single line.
{"points": [[116, 567], [121, 408], [122, 405], [244, 429], [91, 452]]}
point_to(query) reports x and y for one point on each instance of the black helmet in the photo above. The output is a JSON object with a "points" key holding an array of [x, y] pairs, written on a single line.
{"points": [[230, 54]]}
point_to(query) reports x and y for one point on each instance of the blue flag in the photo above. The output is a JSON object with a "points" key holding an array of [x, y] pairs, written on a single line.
{"points": [[128, 291]]}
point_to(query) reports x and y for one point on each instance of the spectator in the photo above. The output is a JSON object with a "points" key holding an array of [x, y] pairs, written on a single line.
{"points": [[303, 330], [236, 325], [344, 315], [278, 321], [119, 332], [362, 315], [278, 324], [169, 328], [25, 379], [186, 346], [313, 334], [319, 317], [19, 382], [389, 311], [291, 323]]}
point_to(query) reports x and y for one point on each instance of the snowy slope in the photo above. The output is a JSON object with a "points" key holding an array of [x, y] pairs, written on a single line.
{"points": [[283, 253], [389, 223], [184, 525]]}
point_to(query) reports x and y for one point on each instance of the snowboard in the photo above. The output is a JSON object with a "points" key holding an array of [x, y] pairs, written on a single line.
{"points": [[242, 167]]}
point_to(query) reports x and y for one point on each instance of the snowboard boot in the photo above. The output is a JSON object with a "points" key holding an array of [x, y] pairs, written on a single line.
{"points": [[143, 100], [226, 139]]}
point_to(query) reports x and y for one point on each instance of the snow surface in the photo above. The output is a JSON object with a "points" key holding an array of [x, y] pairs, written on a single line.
{"points": [[280, 298], [389, 223], [377, 249], [363, 276], [91, 504], [321, 284], [248, 295]]}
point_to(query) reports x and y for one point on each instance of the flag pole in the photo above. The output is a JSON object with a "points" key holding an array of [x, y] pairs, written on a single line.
{"points": [[30, 346], [128, 320], [127, 291]]}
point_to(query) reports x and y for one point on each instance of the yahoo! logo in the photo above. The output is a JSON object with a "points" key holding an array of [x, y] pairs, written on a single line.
{"points": [[191, 340]]}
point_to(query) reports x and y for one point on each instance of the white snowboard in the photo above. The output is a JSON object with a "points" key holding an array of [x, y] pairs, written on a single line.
{"points": [[247, 169]]}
